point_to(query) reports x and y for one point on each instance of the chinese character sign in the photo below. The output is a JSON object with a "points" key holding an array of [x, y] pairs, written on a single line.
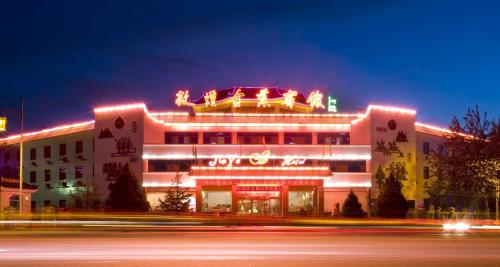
{"points": [[262, 97], [289, 98], [3, 124], [332, 104], [181, 98], [315, 99], [237, 98], [210, 98]]}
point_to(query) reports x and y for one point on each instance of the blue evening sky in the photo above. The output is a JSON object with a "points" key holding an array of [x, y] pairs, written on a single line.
{"points": [[64, 57]]}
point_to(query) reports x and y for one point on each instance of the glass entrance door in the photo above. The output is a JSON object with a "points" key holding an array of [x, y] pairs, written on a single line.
{"points": [[259, 206]]}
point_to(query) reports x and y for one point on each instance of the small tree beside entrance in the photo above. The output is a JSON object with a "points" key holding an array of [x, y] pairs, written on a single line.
{"points": [[176, 198], [351, 207]]}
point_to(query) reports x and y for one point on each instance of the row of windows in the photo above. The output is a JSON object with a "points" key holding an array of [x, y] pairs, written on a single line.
{"points": [[185, 165], [426, 149], [47, 150], [256, 138], [62, 174]]}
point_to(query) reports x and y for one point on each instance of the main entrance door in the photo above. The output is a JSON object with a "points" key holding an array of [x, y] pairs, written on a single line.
{"points": [[255, 205]]}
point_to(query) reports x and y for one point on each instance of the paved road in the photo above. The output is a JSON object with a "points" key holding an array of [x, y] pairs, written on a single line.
{"points": [[273, 247]]}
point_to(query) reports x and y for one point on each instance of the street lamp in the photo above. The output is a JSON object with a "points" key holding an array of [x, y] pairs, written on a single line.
{"points": [[21, 159]]}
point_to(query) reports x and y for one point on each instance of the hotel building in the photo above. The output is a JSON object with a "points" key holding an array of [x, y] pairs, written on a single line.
{"points": [[244, 150]]}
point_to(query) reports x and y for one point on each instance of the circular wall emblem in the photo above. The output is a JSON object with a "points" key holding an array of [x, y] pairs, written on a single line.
{"points": [[119, 123], [392, 124]]}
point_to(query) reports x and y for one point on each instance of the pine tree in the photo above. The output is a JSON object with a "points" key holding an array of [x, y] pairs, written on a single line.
{"points": [[380, 177], [351, 207], [125, 192], [176, 198], [391, 203]]}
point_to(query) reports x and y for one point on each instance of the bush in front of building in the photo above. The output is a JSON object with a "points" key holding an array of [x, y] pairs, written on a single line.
{"points": [[86, 197], [125, 192], [351, 207], [391, 202]]}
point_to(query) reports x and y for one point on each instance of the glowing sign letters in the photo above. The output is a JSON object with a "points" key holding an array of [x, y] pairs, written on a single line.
{"points": [[292, 161], [289, 98], [237, 98], [332, 104], [210, 98], [181, 98], [226, 162], [262, 97], [3, 124], [260, 158], [315, 99]]}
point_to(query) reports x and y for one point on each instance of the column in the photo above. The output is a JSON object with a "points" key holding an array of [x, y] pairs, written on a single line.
{"points": [[199, 197], [200, 137], [314, 138], [281, 138], [234, 199], [234, 138], [284, 199]]}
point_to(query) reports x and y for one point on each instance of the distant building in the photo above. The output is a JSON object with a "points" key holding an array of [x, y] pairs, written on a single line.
{"points": [[245, 150]]}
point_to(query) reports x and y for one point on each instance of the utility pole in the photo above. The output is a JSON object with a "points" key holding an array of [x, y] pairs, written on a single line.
{"points": [[21, 159]]}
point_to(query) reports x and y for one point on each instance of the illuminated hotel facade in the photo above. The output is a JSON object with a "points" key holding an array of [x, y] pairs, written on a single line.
{"points": [[243, 150]]}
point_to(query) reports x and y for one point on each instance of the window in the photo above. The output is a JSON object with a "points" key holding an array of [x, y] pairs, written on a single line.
{"points": [[298, 138], [181, 138], [6, 158], [46, 174], [426, 148], [33, 177], [33, 206], [46, 152], [79, 147], [216, 138], [426, 172], [33, 154], [440, 150], [46, 203], [78, 171], [169, 165], [62, 203], [333, 138], [62, 150], [257, 138], [62, 173]]}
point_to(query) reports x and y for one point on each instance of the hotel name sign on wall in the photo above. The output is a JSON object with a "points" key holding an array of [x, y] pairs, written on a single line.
{"points": [[255, 159]]}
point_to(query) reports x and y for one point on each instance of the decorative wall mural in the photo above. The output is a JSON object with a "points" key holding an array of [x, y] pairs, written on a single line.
{"points": [[392, 124], [390, 148], [124, 147], [401, 137], [105, 133], [119, 123]]}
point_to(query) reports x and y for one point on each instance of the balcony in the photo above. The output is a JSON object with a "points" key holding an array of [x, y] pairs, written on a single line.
{"points": [[318, 152]]}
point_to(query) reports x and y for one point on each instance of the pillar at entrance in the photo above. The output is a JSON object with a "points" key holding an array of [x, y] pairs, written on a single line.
{"points": [[284, 199]]}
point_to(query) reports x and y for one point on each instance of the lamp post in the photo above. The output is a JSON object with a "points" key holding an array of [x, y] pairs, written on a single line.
{"points": [[21, 159]]}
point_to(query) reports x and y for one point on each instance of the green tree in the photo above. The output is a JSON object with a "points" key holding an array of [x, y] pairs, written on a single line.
{"points": [[398, 169], [391, 202], [351, 207], [466, 144], [176, 198], [489, 170], [86, 197], [380, 177], [125, 192]]}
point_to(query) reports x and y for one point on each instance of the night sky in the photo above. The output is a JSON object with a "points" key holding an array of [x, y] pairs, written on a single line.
{"points": [[439, 57]]}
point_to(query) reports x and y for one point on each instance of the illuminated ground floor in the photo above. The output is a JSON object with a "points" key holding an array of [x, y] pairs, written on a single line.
{"points": [[264, 197]]}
